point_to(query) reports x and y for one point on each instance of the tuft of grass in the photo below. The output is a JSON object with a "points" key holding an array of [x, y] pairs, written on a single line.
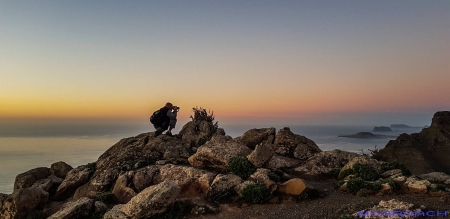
{"points": [[274, 177], [96, 215], [37, 215], [177, 210], [107, 198], [241, 167], [334, 173], [396, 165], [256, 193]]}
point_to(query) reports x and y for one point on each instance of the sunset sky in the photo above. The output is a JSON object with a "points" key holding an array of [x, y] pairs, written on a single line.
{"points": [[271, 62]]}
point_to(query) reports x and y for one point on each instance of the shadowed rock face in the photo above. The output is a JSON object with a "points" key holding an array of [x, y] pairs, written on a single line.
{"points": [[424, 152]]}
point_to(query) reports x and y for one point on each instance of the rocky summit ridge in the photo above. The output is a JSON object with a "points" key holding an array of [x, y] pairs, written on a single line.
{"points": [[147, 176]]}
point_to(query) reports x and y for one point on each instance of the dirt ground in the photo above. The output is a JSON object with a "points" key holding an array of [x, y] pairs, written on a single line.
{"points": [[333, 205]]}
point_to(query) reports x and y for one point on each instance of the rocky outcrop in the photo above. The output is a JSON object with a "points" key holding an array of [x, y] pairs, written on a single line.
{"points": [[280, 162], [261, 155], [362, 160], [152, 200], [121, 190], [197, 132], [436, 177], [27, 179], [74, 209], [253, 137], [293, 145], [116, 213], [60, 169], [217, 155], [321, 163], [422, 152], [21, 202], [193, 182], [74, 179]]}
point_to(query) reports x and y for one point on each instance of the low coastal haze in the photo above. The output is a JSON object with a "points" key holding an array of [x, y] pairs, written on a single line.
{"points": [[252, 62]]}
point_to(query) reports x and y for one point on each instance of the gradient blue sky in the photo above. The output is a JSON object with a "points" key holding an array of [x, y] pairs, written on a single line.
{"points": [[265, 62]]}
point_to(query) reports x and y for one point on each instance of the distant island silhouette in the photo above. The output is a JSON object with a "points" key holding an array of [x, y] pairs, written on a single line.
{"points": [[366, 135], [381, 129]]}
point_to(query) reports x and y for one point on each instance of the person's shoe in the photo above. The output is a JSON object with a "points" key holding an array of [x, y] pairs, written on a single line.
{"points": [[169, 133]]}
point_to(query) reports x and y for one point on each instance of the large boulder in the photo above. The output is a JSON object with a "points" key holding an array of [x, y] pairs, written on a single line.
{"points": [[422, 152], [261, 155], [192, 181], [253, 137], [415, 185], [100, 184], [436, 177], [152, 200], [223, 185], [197, 132], [116, 213], [60, 169], [321, 163], [294, 187], [74, 179], [22, 202], [121, 191], [293, 145], [217, 155], [80, 208], [28, 178], [146, 177], [280, 162]]}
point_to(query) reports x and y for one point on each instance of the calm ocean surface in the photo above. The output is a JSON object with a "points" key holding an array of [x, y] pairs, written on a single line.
{"points": [[19, 154]]}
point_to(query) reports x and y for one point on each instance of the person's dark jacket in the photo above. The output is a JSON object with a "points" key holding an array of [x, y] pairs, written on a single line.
{"points": [[163, 120]]}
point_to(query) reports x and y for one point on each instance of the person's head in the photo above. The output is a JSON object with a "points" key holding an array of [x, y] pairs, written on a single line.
{"points": [[169, 105]]}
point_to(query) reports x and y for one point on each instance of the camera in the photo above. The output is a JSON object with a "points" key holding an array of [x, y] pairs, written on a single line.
{"points": [[176, 107]]}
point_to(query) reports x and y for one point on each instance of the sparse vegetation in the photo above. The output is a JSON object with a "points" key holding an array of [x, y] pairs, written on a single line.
{"points": [[241, 167], [366, 172], [274, 177], [37, 215], [178, 210], [96, 215], [107, 198], [338, 185], [92, 167], [334, 173], [256, 193], [396, 165], [224, 197], [391, 183], [200, 114], [345, 173], [354, 185]]}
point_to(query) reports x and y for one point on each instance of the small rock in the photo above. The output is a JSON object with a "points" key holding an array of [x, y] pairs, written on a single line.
{"points": [[60, 169], [74, 209], [390, 173], [100, 206], [294, 187]]}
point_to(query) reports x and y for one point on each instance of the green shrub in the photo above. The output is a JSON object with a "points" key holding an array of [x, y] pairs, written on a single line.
{"points": [[338, 185], [391, 183], [107, 198], [200, 114], [334, 173], [92, 167], [365, 172], [274, 177], [241, 167], [37, 215], [345, 173], [354, 185], [96, 215], [178, 210], [308, 195], [396, 165], [256, 193], [224, 197]]}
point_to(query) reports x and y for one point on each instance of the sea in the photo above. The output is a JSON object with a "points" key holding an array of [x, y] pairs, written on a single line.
{"points": [[20, 153]]}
